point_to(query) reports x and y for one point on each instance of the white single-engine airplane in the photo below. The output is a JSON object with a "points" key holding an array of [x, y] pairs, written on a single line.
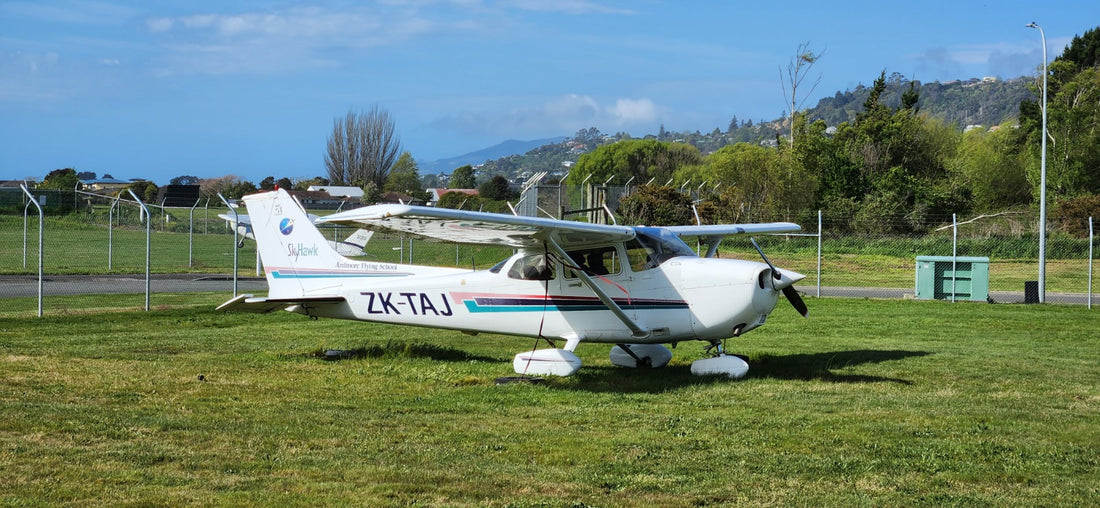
{"points": [[636, 287]]}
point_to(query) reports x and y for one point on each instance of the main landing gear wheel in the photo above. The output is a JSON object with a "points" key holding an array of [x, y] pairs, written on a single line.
{"points": [[640, 355]]}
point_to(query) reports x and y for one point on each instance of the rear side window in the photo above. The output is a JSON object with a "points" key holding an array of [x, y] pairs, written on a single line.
{"points": [[532, 267]]}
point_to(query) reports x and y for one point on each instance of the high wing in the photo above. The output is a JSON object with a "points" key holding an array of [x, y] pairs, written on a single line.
{"points": [[712, 235], [464, 226], [733, 229]]}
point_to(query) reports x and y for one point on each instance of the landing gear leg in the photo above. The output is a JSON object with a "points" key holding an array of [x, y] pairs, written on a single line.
{"points": [[640, 362], [720, 364]]}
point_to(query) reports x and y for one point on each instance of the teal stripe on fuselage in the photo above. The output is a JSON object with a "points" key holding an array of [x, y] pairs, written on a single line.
{"points": [[474, 307]]}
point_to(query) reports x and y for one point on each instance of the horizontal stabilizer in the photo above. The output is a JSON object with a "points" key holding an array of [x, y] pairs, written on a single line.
{"points": [[261, 305]]}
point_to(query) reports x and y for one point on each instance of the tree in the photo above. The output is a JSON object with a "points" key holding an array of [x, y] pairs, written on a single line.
{"points": [[63, 179], [797, 70], [86, 175], [432, 181], [639, 160], [496, 189], [1073, 145], [992, 165], [307, 183], [267, 183], [458, 200], [184, 180], [230, 186], [462, 178], [144, 189], [362, 148], [888, 170], [405, 178], [240, 189], [758, 183], [656, 205]]}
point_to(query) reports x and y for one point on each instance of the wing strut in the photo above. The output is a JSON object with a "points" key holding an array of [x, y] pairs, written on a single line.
{"points": [[635, 329]]}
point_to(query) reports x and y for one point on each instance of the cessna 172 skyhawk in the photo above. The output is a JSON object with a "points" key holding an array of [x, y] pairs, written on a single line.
{"points": [[636, 287]]}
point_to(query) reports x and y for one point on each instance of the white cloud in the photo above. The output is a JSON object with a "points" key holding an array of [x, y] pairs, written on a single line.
{"points": [[563, 114], [1003, 59], [78, 12], [565, 6], [159, 24], [286, 40], [631, 111]]}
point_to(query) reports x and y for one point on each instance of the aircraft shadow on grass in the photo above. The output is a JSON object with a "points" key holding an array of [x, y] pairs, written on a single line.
{"points": [[799, 367], [395, 349]]}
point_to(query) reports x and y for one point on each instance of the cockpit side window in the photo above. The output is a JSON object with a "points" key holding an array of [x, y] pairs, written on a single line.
{"points": [[532, 267], [596, 261]]}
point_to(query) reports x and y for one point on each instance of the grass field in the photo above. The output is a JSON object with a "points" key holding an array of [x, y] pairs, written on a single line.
{"points": [[883, 403]]}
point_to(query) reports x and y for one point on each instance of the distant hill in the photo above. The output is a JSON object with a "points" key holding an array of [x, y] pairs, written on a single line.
{"points": [[975, 101], [986, 102], [510, 147]]}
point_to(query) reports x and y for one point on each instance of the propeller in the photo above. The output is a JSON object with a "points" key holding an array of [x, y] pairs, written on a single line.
{"points": [[788, 290]]}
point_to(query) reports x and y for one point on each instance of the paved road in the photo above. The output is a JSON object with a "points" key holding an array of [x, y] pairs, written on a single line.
{"points": [[56, 285]]}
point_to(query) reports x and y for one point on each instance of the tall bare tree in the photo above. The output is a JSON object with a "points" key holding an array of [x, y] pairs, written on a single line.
{"points": [[362, 148], [797, 70]]}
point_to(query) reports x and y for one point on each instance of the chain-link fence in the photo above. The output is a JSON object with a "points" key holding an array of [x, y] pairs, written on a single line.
{"points": [[93, 244]]}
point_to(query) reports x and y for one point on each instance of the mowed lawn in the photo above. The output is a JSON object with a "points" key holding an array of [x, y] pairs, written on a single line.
{"points": [[883, 403]]}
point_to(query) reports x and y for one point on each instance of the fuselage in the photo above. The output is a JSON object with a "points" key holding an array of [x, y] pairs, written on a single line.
{"points": [[682, 298]]}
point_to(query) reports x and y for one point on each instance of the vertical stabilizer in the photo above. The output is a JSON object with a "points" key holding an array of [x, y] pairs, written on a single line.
{"points": [[297, 258]]}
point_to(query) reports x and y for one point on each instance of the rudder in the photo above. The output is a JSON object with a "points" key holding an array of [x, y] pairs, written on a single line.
{"points": [[296, 256]]}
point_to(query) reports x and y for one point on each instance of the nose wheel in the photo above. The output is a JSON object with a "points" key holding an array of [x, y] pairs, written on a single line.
{"points": [[720, 364]]}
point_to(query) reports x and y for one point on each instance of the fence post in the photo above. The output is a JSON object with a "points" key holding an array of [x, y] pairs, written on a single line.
{"points": [[41, 228], [1090, 264], [191, 237], [954, 252], [148, 243], [819, 253], [111, 235], [235, 229], [26, 207]]}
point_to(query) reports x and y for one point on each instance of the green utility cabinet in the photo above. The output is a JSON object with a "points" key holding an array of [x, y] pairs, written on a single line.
{"points": [[969, 281]]}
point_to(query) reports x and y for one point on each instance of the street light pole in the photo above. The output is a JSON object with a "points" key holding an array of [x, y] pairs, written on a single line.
{"points": [[1043, 177]]}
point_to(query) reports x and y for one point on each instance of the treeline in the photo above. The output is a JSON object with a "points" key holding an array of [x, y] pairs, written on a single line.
{"points": [[891, 169]]}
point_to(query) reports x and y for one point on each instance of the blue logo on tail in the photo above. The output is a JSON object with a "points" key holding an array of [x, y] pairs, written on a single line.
{"points": [[286, 226]]}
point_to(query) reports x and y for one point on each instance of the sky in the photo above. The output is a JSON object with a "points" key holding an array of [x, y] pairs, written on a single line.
{"points": [[159, 89]]}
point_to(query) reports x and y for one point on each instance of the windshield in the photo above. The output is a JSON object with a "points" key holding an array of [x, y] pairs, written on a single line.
{"points": [[654, 246]]}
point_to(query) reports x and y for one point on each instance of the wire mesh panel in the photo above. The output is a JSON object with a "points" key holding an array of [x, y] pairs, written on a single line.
{"points": [[95, 244]]}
